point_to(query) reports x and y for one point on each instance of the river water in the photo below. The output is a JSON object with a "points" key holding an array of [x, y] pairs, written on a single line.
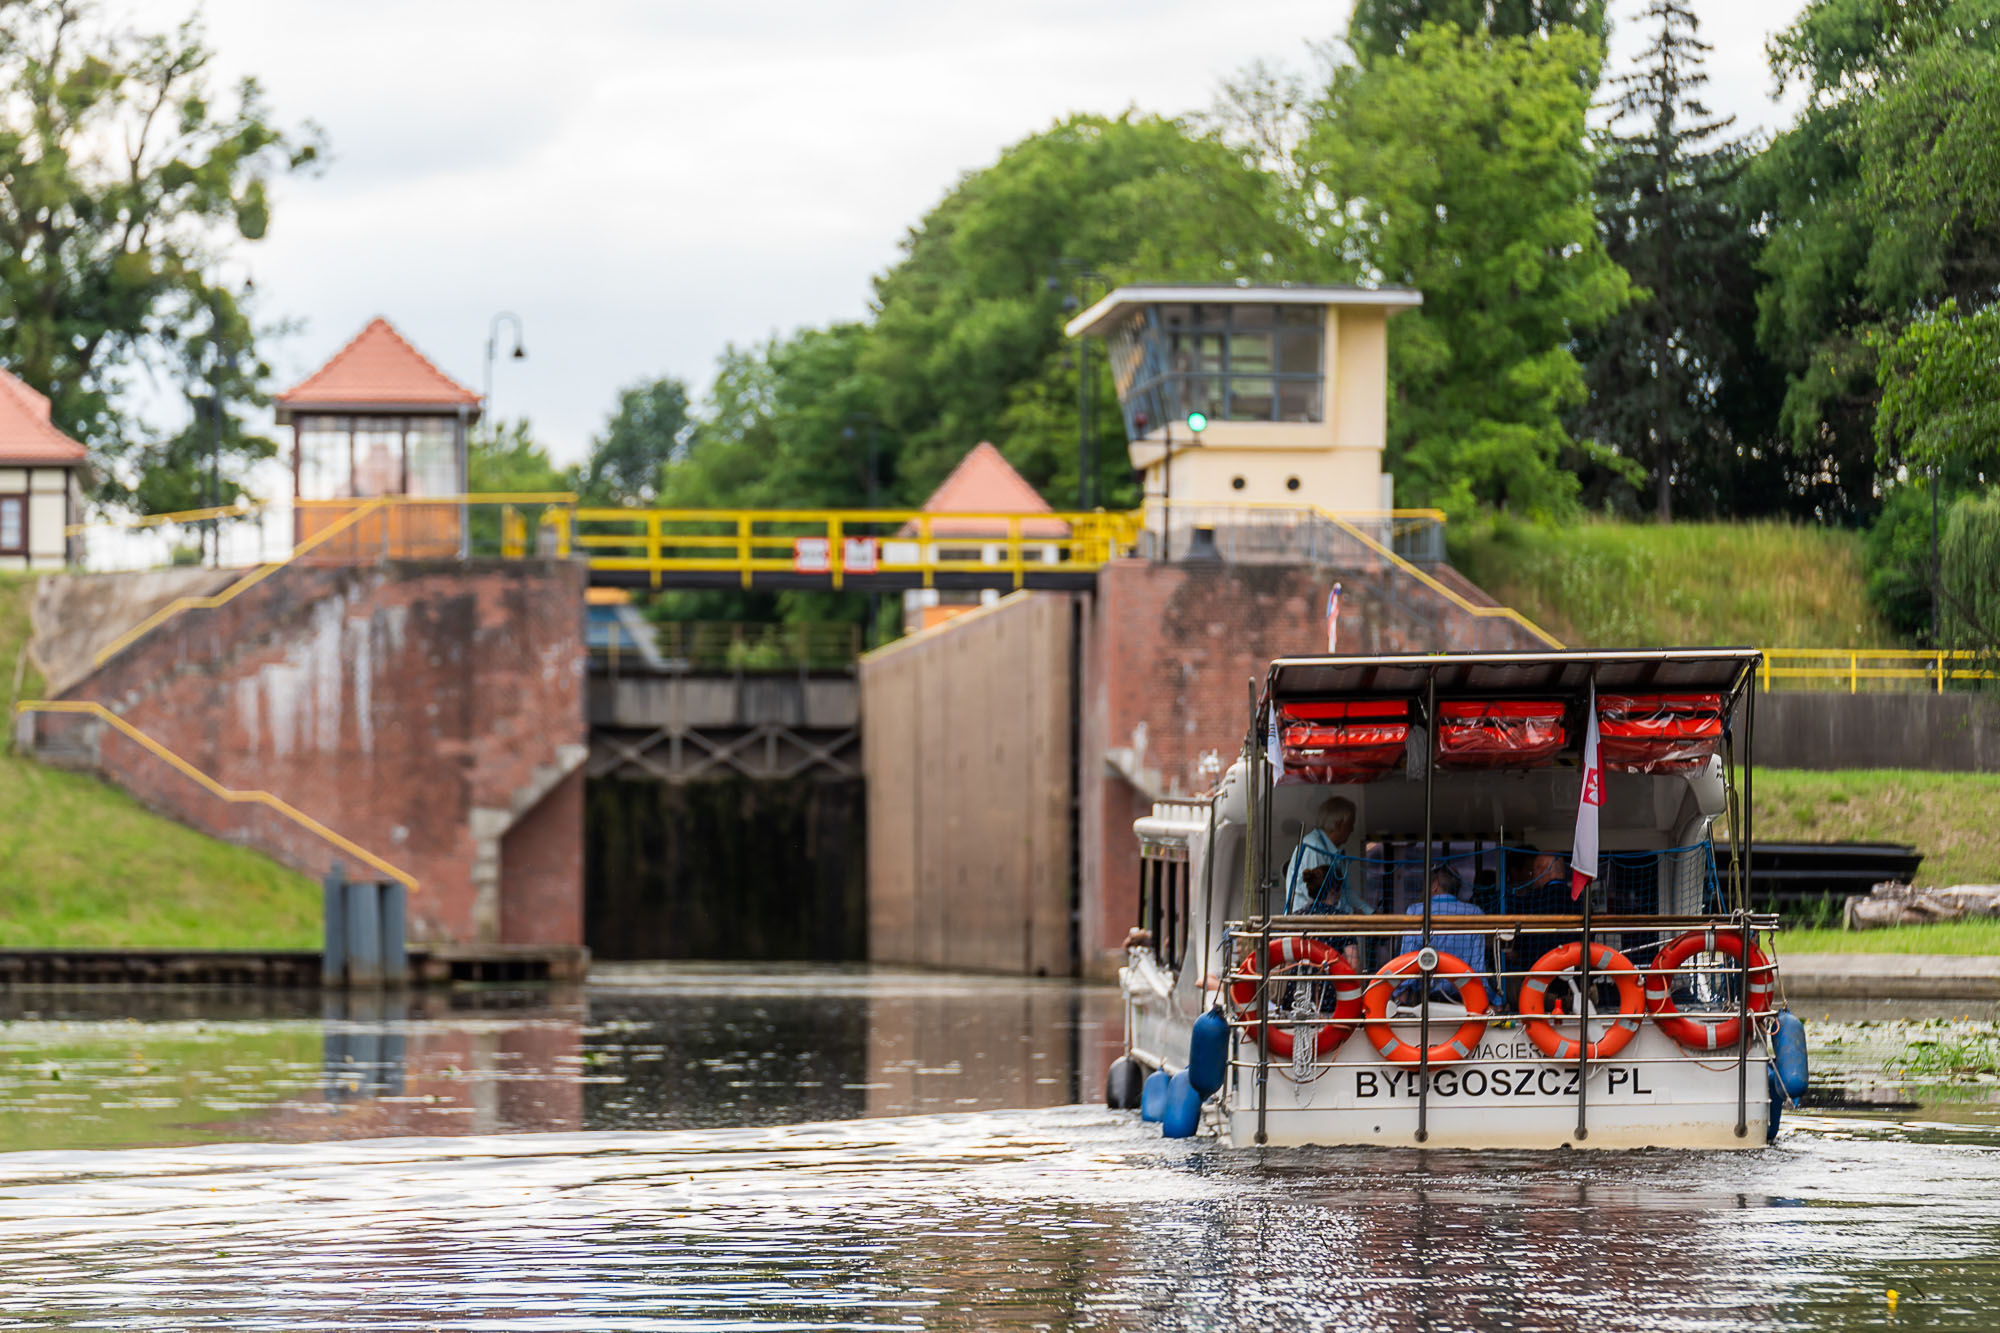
{"points": [[691, 1148]]}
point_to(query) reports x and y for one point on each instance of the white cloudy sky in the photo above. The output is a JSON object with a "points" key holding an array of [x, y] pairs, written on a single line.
{"points": [[643, 181]]}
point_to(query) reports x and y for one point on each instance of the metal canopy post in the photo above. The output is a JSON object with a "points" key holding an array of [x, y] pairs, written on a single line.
{"points": [[1743, 918], [1263, 783], [1424, 999]]}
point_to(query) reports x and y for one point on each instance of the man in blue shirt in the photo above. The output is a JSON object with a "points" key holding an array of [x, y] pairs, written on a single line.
{"points": [[1316, 876], [1469, 949]]}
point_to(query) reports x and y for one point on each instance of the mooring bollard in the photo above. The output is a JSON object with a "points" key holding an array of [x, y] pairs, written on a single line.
{"points": [[333, 953], [364, 935], [395, 957]]}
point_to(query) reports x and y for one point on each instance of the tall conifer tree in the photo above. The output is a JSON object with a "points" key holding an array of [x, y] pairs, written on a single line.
{"points": [[1659, 371]]}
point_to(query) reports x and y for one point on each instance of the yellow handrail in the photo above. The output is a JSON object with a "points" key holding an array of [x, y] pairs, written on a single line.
{"points": [[1483, 612], [233, 510], [1933, 666], [89, 708]]}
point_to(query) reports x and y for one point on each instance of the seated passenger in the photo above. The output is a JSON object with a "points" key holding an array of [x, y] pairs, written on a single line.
{"points": [[1316, 876], [1545, 892], [1468, 949]]}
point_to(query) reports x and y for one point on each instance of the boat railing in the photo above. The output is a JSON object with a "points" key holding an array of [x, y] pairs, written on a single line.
{"points": [[1290, 975]]}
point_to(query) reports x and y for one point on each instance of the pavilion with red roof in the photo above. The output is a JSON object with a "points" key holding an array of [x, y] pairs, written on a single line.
{"points": [[41, 485], [379, 419], [983, 484]]}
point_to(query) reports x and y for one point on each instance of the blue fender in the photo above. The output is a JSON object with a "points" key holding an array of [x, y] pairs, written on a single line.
{"points": [[1208, 1053], [1788, 1051], [1182, 1115], [1153, 1096]]}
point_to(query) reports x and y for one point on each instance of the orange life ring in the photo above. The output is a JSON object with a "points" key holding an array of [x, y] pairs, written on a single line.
{"points": [[1603, 960], [1697, 1033], [1286, 959], [1375, 1004]]}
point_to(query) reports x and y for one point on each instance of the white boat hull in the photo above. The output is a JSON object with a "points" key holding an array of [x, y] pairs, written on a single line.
{"points": [[1508, 1096]]}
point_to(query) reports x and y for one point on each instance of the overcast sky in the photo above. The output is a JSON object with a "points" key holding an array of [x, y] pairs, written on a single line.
{"points": [[644, 181]]}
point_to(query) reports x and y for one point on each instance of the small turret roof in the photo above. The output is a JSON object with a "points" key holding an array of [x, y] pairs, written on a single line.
{"points": [[378, 371], [984, 482]]}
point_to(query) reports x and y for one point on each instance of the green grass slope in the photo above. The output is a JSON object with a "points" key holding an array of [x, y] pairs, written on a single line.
{"points": [[83, 865], [1946, 816], [1605, 584]]}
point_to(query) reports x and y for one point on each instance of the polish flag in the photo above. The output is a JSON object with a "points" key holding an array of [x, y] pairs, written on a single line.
{"points": [[1332, 617], [1583, 861]]}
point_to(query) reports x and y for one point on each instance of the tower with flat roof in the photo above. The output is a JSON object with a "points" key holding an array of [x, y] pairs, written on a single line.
{"points": [[1253, 395]]}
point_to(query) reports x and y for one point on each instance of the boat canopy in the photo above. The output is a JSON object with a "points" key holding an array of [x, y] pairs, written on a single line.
{"points": [[1528, 675]]}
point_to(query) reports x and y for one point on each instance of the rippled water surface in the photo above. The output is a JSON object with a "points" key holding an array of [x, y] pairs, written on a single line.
{"points": [[942, 1179]]}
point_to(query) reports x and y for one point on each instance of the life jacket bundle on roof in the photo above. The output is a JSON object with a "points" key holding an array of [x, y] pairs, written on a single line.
{"points": [[1658, 733], [1499, 733], [1347, 741]]}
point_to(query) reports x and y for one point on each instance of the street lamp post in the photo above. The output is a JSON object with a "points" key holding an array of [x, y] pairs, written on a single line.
{"points": [[1076, 275], [520, 353]]}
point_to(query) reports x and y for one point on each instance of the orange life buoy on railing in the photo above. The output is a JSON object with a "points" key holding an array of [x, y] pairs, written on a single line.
{"points": [[1286, 960], [1471, 992], [1605, 961], [1698, 1033]]}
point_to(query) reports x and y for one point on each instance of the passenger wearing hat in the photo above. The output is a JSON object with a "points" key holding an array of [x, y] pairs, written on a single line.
{"points": [[1468, 949]]}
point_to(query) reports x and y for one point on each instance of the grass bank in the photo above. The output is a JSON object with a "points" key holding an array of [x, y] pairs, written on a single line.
{"points": [[1949, 817], [1605, 584], [1954, 937], [83, 865]]}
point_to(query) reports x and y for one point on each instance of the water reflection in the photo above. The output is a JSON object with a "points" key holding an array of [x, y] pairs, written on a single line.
{"points": [[945, 1184]]}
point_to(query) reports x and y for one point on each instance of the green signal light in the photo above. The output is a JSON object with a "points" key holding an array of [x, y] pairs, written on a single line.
{"points": [[1197, 422]]}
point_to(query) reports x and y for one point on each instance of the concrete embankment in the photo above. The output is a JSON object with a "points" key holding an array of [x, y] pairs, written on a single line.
{"points": [[1890, 976]]}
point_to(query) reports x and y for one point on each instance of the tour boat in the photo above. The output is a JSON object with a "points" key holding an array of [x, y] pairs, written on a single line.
{"points": [[1480, 817]]}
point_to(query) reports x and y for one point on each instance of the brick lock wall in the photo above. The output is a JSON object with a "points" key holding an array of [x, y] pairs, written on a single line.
{"points": [[431, 712]]}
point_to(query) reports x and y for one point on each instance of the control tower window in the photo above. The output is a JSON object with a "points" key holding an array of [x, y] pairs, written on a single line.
{"points": [[1231, 362]]}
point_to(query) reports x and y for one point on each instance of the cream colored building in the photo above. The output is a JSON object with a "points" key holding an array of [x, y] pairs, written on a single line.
{"points": [[41, 492], [1292, 383]]}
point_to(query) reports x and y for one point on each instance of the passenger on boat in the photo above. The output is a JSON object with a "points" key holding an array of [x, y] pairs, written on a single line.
{"points": [[1545, 892], [1446, 884], [1316, 878]]}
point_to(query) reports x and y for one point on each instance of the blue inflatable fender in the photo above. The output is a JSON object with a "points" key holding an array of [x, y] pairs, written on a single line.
{"points": [[1788, 1052], [1153, 1096], [1182, 1115], [1208, 1053]]}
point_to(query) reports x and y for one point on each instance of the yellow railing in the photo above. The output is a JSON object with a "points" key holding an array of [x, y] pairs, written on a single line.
{"points": [[347, 526], [232, 795], [1852, 669], [238, 509], [839, 542]]}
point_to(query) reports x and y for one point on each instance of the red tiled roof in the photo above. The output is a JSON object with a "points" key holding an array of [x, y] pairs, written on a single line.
{"points": [[25, 433], [984, 482], [378, 369]]}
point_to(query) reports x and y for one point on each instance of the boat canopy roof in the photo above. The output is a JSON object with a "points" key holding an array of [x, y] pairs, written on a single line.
{"points": [[1539, 675]]}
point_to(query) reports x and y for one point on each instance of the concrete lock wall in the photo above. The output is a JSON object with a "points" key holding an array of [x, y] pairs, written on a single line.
{"points": [[965, 747], [1949, 733], [431, 712]]}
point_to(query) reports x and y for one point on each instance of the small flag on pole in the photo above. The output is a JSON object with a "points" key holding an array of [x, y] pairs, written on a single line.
{"points": [[1583, 862], [1332, 617]]}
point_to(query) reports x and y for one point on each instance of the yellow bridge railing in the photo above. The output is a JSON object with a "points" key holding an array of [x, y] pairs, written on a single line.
{"points": [[1852, 670], [838, 543]]}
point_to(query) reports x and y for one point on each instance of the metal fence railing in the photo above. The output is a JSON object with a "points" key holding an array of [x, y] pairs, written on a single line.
{"points": [[1859, 670]]}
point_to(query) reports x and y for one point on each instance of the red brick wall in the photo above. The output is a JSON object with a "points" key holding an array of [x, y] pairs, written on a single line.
{"points": [[430, 711]]}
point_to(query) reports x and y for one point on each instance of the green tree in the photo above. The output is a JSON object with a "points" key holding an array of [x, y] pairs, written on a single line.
{"points": [[1939, 408], [1465, 169], [967, 343], [1879, 204], [627, 464], [1383, 28], [508, 459], [1657, 371], [124, 176], [1969, 576]]}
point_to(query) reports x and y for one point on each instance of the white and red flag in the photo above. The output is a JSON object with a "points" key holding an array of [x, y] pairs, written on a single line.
{"points": [[1332, 617], [1583, 861]]}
